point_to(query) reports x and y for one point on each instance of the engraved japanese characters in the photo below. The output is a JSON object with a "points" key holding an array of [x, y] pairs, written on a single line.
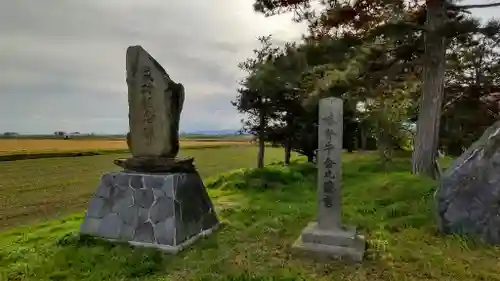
{"points": [[327, 236], [155, 105], [329, 150], [157, 200]]}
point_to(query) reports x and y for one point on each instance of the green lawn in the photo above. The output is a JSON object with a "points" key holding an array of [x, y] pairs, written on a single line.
{"points": [[37, 189], [263, 212]]}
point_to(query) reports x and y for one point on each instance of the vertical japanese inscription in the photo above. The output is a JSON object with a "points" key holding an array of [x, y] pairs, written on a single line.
{"points": [[329, 154], [149, 114], [329, 174]]}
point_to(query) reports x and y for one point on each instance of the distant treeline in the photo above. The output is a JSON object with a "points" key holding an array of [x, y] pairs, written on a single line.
{"points": [[203, 136], [61, 137], [118, 137]]}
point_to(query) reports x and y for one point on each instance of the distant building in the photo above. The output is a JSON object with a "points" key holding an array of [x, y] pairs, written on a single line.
{"points": [[10, 134]]}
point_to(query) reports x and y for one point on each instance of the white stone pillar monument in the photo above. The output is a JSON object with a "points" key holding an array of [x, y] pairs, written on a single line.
{"points": [[327, 237]]}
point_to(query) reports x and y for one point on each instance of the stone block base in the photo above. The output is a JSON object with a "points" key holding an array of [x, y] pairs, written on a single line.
{"points": [[165, 211], [322, 244]]}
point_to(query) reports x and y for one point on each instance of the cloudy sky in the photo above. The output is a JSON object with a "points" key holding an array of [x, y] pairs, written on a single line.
{"points": [[62, 63]]}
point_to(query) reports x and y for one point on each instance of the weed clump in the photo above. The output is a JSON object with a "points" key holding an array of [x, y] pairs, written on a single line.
{"points": [[270, 177]]}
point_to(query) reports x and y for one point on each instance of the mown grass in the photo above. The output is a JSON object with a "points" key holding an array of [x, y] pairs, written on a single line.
{"points": [[37, 189], [263, 212]]}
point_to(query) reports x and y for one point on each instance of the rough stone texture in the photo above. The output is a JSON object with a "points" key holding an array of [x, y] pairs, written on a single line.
{"points": [[468, 197], [155, 105], [327, 237], [166, 210]]}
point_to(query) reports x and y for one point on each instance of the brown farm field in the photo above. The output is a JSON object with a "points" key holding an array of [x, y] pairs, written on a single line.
{"points": [[14, 146], [36, 189]]}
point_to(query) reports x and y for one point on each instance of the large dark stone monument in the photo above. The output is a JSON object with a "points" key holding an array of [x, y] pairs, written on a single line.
{"points": [[468, 197], [158, 200]]}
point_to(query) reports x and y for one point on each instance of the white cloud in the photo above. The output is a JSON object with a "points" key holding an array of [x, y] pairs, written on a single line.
{"points": [[63, 62]]}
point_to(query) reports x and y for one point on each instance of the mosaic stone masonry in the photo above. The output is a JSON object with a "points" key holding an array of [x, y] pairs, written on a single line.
{"points": [[159, 210]]}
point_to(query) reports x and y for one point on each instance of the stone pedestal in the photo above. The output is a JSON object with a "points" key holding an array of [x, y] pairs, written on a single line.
{"points": [[166, 211], [333, 243], [327, 237]]}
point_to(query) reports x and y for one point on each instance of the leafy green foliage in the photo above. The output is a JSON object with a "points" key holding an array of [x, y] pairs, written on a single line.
{"points": [[273, 177], [371, 53], [472, 76]]}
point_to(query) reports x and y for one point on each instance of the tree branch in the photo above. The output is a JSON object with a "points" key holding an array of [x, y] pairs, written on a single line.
{"points": [[476, 6]]}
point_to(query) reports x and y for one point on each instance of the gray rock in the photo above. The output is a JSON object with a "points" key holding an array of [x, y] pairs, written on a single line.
{"points": [[110, 226], [192, 229], [177, 210], [181, 234], [120, 193], [168, 185], [104, 191], [144, 233], [158, 193], [209, 220], [149, 214], [161, 210], [165, 231], [468, 196], [108, 179], [144, 197], [143, 215], [98, 207], [122, 203], [130, 215], [136, 182], [122, 180], [90, 226], [154, 182], [126, 233]]}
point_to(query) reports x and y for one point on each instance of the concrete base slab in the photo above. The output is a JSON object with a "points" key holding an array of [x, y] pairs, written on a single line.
{"points": [[174, 249], [323, 244]]}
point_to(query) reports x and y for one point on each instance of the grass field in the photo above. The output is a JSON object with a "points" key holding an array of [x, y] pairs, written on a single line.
{"points": [[44, 188], [263, 212], [22, 145]]}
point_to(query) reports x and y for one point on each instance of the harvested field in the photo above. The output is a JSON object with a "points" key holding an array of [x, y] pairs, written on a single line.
{"points": [[14, 146], [46, 188]]}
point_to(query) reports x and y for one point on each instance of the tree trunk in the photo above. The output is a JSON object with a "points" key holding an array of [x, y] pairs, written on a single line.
{"points": [[288, 138], [288, 152], [427, 137], [262, 147], [384, 146], [310, 158], [363, 138]]}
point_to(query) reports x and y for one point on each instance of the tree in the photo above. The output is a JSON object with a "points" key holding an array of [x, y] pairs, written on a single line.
{"points": [[472, 75], [253, 98], [427, 137], [431, 101], [389, 18]]}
